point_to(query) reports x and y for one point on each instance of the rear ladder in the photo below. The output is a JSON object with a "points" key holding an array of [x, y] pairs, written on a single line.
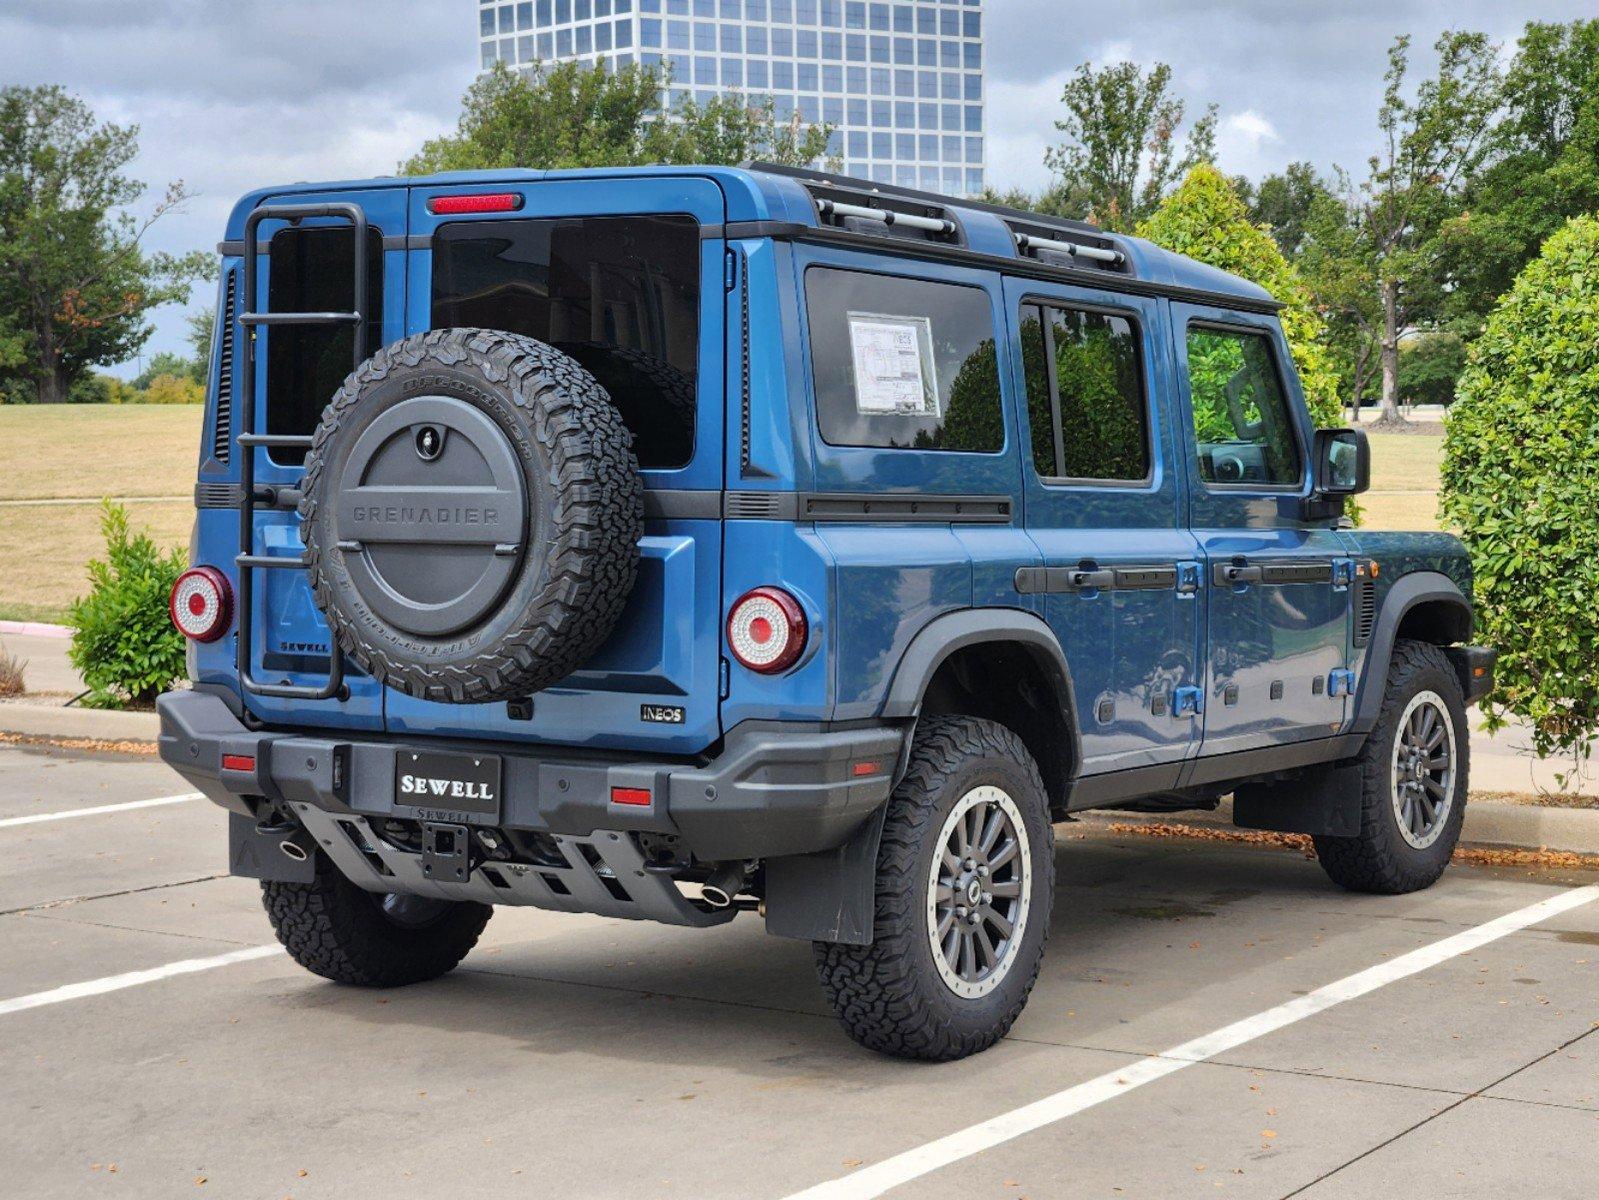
{"points": [[247, 561]]}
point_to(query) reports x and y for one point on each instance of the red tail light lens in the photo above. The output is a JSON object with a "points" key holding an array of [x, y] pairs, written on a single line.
{"points": [[492, 202], [766, 630], [201, 604]]}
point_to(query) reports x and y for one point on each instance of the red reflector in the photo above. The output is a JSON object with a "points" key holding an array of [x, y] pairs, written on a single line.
{"points": [[238, 762], [489, 203], [866, 768], [638, 796]]}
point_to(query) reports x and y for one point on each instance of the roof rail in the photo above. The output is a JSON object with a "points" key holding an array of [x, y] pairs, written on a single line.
{"points": [[1046, 244]]}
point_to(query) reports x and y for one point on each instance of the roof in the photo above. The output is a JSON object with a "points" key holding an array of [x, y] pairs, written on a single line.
{"points": [[764, 194]]}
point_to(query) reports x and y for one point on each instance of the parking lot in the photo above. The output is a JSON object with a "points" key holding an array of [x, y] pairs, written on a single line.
{"points": [[1211, 1019]]}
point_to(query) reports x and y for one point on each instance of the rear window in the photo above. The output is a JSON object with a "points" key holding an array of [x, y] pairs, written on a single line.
{"points": [[313, 270], [903, 363], [619, 294]]}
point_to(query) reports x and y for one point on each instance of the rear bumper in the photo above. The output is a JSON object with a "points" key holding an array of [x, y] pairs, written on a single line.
{"points": [[776, 789]]}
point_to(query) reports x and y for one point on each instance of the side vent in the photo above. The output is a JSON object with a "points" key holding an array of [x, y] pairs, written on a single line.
{"points": [[891, 216], [1066, 247], [1365, 610], [222, 441]]}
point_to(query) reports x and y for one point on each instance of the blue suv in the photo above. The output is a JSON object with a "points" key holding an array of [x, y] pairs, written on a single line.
{"points": [[676, 543]]}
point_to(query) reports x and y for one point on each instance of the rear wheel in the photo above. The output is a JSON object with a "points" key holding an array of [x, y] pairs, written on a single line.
{"points": [[965, 880], [1413, 781], [341, 932]]}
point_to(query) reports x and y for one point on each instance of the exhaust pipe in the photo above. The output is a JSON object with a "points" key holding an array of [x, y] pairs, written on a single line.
{"points": [[723, 885]]}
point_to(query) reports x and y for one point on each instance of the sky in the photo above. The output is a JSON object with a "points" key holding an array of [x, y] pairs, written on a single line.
{"points": [[234, 94]]}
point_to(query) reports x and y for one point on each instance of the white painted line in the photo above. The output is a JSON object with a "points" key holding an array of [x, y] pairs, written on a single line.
{"points": [[68, 814], [116, 983], [880, 1177]]}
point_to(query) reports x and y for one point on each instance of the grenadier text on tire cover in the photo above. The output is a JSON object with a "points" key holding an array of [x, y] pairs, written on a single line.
{"points": [[696, 542]]}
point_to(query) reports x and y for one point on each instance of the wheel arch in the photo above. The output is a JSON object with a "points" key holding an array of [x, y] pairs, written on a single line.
{"points": [[945, 664], [1424, 606]]}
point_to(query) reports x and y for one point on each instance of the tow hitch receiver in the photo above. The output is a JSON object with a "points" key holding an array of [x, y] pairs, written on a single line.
{"points": [[446, 853]]}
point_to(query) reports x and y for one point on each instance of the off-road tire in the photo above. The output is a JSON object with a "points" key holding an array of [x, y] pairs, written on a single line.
{"points": [[889, 995], [1379, 859], [581, 559], [339, 931]]}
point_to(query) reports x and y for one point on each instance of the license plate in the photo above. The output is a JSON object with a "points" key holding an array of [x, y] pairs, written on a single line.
{"points": [[448, 787]]}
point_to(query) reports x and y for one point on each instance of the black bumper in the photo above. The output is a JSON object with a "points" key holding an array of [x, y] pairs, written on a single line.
{"points": [[776, 789], [1475, 667]]}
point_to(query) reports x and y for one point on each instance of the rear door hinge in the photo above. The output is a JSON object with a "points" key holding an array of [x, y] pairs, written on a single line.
{"points": [[725, 679], [730, 269]]}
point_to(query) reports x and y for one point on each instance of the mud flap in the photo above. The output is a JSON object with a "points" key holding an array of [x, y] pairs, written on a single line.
{"points": [[256, 855], [1325, 801], [829, 896]]}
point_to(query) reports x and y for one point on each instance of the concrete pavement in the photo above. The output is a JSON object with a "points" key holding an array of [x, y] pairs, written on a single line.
{"points": [[580, 1056]]}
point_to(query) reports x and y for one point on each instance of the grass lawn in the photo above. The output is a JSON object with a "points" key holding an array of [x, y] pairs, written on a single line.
{"points": [[51, 451]]}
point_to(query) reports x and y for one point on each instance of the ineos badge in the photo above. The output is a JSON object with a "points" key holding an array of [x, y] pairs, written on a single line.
{"points": [[429, 442]]}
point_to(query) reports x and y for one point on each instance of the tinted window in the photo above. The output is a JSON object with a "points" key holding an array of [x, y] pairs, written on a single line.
{"points": [[1242, 423], [903, 363], [619, 294], [313, 270], [1085, 394]]}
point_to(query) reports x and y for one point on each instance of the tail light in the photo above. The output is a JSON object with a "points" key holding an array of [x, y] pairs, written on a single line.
{"points": [[766, 630], [201, 604]]}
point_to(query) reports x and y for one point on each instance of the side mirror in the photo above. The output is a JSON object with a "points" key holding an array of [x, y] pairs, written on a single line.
{"points": [[1343, 462]]}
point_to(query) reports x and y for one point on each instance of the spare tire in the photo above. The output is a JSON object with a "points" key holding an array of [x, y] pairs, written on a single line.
{"points": [[471, 515]]}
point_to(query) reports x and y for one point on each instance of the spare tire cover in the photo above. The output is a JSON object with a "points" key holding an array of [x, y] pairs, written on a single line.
{"points": [[471, 515]]}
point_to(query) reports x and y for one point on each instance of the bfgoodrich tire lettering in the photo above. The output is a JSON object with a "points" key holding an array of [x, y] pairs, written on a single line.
{"points": [[557, 591], [1384, 857], [892, 996]]}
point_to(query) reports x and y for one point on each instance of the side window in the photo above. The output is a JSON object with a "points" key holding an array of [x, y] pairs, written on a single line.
{"points": [[619, 294], [1242, 423], [1085, 395], [313, 270], [903, 363]]}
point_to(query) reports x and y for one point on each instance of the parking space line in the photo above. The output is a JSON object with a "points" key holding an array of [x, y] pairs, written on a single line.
{"points": [[874, 1180], [116, 983], [68, 814]]}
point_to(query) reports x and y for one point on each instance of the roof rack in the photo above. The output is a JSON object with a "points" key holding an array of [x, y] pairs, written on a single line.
{"points": [[810, 175], [1042, 242]]}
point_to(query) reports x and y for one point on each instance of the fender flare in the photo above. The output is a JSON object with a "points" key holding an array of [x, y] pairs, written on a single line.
{"points": [[944, 635], [1418, 587]]}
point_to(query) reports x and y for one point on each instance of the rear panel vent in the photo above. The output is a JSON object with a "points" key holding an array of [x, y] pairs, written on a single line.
{"points": [[1365, 610], [878, 214], [222, 439], [1063, 247]]}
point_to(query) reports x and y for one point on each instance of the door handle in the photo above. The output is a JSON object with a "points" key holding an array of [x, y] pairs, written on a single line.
{"points": [[1089, 580], [1229, 574]]}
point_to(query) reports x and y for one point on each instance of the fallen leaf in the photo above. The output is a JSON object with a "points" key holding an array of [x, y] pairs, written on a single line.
{"points": [[852, 1162], [1268, 1133]]}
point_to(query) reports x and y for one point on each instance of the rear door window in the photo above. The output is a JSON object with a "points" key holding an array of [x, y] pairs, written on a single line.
{"points": [[621, 295], [903, 364], [313, 271]]}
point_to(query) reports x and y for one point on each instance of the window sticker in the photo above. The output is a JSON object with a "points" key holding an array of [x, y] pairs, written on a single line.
{"points": [[894, 371]]}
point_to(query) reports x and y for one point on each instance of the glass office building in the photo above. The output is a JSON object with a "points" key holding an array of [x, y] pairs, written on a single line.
{"points": [[900, 83]]}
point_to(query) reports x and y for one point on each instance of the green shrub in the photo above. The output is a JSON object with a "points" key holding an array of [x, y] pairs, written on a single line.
{"points": [[1430, 367], [1521, 481], [123, 641]]}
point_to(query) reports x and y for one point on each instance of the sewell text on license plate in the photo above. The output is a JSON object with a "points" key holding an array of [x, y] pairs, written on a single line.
{"points": [[448, 787]]}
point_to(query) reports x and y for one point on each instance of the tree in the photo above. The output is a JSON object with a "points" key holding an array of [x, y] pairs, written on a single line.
{"points": [[570, 115], [1206, 219], [1520, 472], [1286, 204], [1431, 145], [1121, 154], [75, 286], [1430, 366], [202, 326], [1542, 168]]}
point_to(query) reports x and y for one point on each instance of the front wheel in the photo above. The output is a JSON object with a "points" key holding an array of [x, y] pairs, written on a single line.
{"points": [[965, 881], [1413, 781]]}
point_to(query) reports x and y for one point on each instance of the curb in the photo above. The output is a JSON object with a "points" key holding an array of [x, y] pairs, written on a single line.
{"points": [[34, 629], [1513, 826], [39, 721]]}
